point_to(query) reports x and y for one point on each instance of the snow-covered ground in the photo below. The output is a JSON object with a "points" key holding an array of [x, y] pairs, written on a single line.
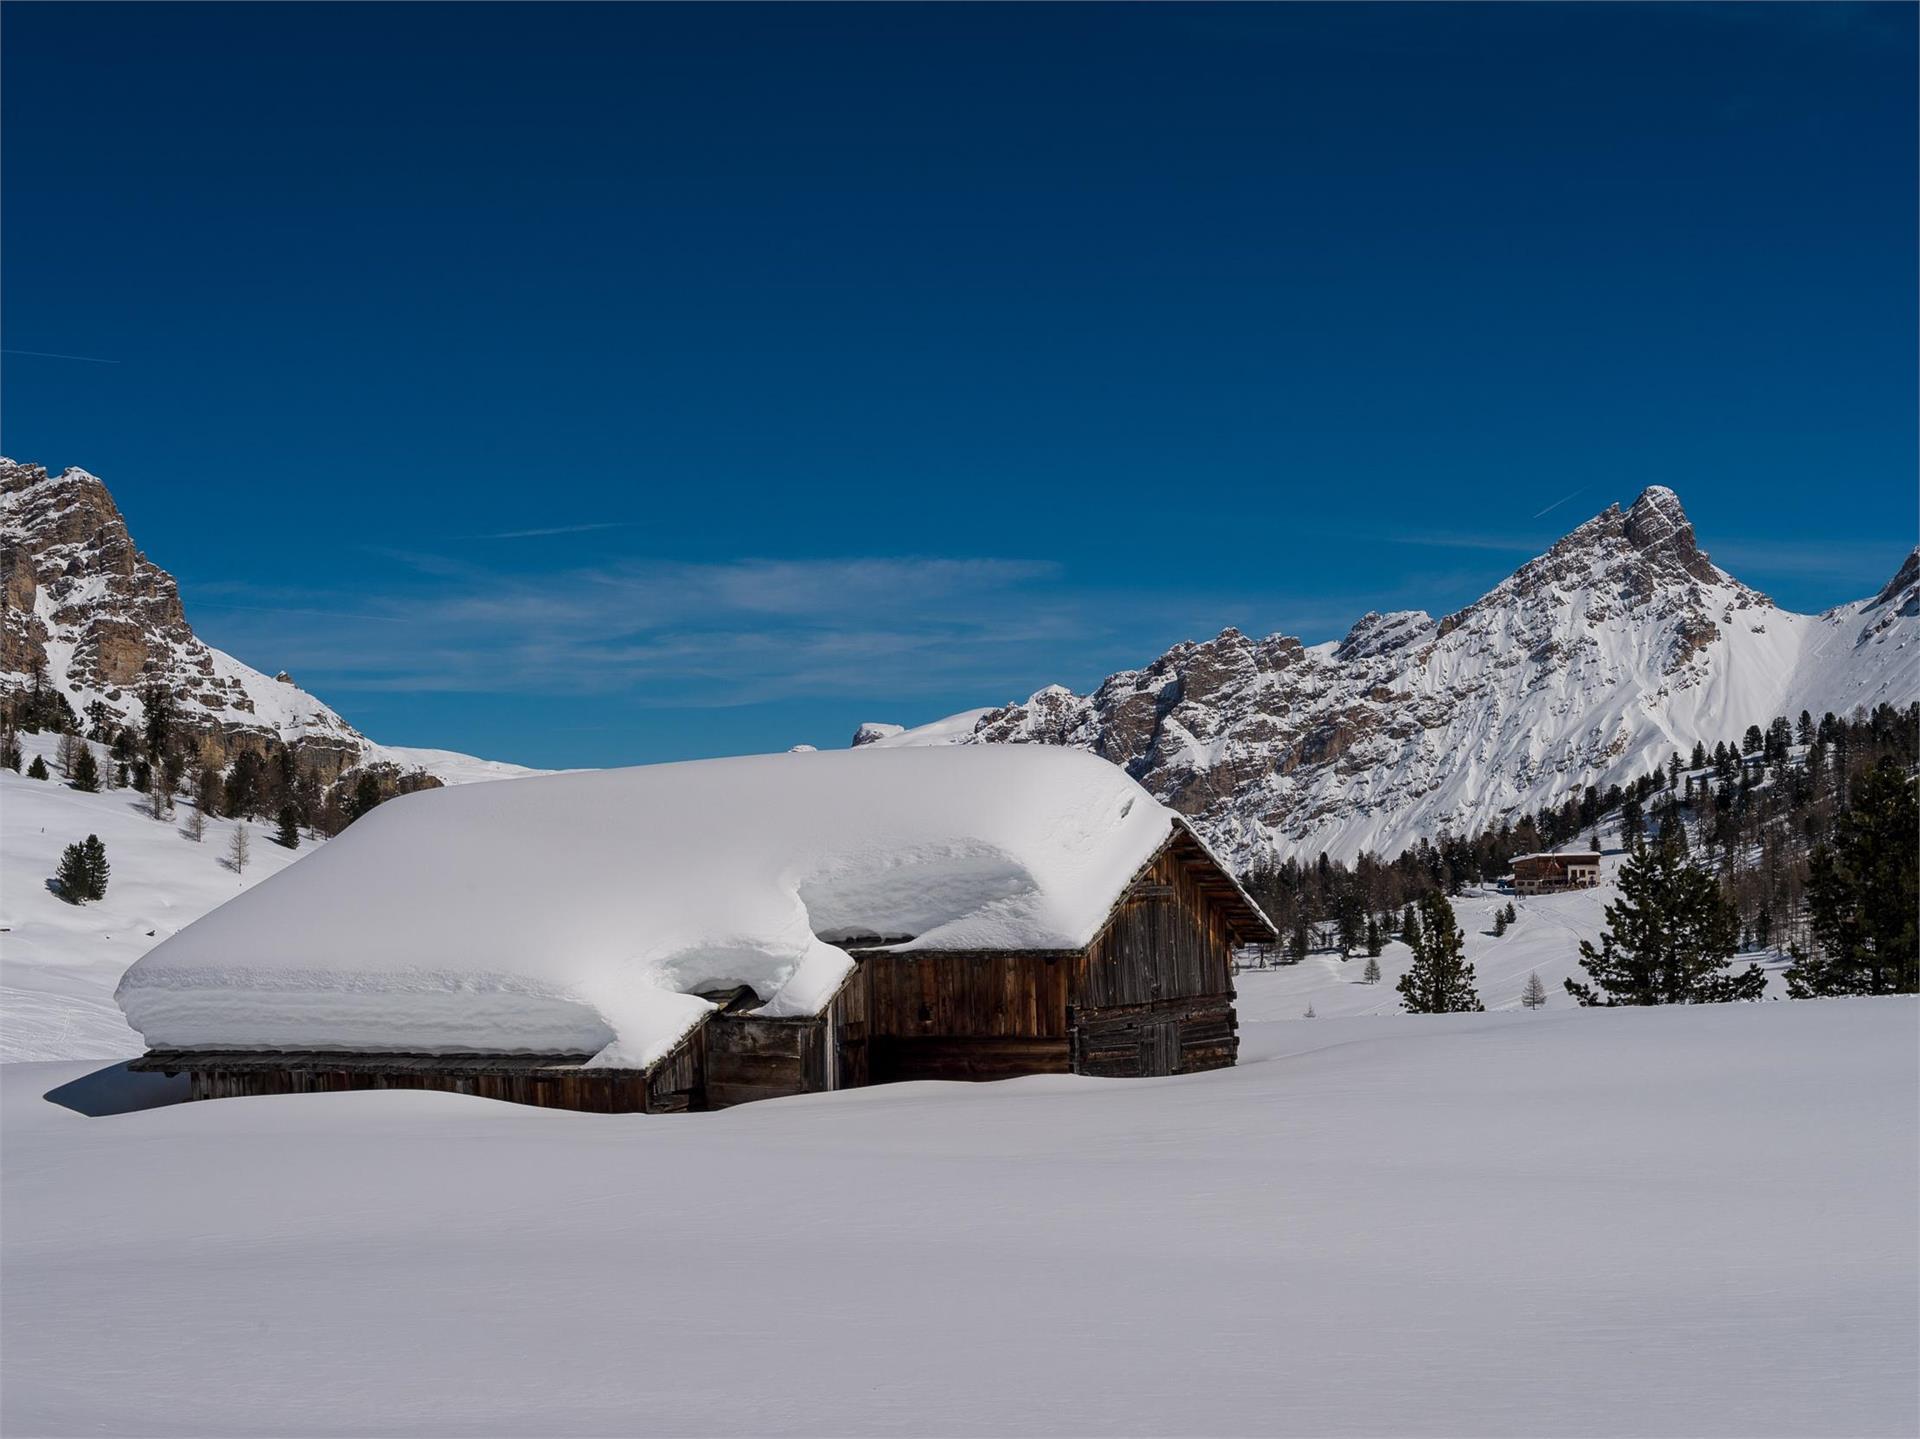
{"points": [[59, 962], [1679, 1221]]}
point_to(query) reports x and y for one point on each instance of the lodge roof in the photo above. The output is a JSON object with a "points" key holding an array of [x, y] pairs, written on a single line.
{"points": [[589, 912]]}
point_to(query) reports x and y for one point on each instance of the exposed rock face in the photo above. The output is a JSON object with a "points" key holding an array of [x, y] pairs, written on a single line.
{"points": [[100, 621], [1589, 664]]}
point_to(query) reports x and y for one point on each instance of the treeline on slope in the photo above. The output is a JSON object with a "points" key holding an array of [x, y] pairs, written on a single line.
{"points": [[1798, 824], [169, 759]]}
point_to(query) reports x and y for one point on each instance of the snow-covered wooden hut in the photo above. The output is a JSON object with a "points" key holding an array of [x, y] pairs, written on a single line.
{"points": [[689, 936]]}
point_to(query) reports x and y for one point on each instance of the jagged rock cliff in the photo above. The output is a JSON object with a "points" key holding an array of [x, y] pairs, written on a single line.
{"points": [[91, 616], [1589, 664]]}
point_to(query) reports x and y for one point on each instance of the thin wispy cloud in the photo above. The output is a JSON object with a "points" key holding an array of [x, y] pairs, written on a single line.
{"points": [[55, 355], [724, 633], [1445, 540], [544, 531]]}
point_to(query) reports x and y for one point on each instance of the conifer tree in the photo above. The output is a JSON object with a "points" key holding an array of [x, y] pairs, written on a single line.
{"points": [[1297, 941], [195, 828], [82, 872], [1499, 922], [1862, 894], [1513, 914], [86, 770], [1669, 938], [1371, 975], [70, 876], [289, 832], [10, 754], [38, 769], [1440, 981], [157, 730], [239, 849], [366, 796], [1375, 939], [97, 867], [1534, 996], [1410, 927]]}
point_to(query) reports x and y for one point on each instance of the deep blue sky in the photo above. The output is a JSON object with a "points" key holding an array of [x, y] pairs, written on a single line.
{"points": [[878, 362]]}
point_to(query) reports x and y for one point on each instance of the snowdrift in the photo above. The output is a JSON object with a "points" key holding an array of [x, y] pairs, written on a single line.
{"points": [[584, 913]]}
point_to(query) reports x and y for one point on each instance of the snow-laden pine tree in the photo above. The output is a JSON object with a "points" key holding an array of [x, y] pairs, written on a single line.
{"points": [[1440, 981], [1669, 938]]}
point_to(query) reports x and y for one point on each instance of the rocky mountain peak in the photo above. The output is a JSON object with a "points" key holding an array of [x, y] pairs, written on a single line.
{"points": [[1658, 528], [1587, 665], [1903, 590], [92, 616]]}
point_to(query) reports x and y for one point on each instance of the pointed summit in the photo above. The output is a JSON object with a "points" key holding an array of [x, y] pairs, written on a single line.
{"points": [[1658, 527]]}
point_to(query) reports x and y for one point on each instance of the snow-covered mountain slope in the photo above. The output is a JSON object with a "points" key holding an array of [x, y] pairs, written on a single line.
{"points": [[1589, 665], [59, 962], [100, 621]]}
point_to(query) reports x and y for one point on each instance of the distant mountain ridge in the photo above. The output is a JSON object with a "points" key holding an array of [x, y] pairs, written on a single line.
{"points": [[97, 620], [1590, 664]]}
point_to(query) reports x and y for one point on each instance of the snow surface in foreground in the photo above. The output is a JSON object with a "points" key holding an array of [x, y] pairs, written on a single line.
{"points": [[1678, 1221]]}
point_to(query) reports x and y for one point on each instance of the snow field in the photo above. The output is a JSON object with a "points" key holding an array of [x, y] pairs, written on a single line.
{"points": [[1688, 1221], [59, 962]]}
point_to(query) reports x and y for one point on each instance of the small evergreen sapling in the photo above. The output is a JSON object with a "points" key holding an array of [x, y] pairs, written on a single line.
{"points": [[239, 849], [38, 769], [1534, 996], [1371, 975]]}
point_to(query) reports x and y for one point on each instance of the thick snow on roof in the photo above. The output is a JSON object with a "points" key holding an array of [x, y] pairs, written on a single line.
{"points": [[582, 913]]}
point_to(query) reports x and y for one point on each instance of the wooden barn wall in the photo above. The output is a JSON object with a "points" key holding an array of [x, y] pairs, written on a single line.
{"points": [[966, 1015], [673, 1084], [596, 1091], [1166, 941], [969, 995], [750, 1057], [1153, 994]]}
